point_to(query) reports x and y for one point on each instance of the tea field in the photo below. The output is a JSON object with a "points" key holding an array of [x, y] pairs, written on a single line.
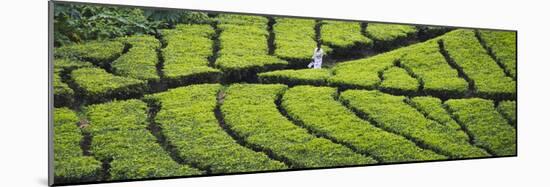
{"points": [[235, 96]]}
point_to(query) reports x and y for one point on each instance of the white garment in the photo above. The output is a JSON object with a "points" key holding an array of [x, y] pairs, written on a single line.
{"points": [[317, 59]]}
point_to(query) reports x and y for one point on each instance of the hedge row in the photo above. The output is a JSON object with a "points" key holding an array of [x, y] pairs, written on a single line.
{"points": [[120, 136], [186, 55], [250, 110], [99, 52], [141, 59], [433, 109], [70, 164], [363, 73], [508, 110], [295, 40], [397, 80], [317, 110], [503, 45], [489, 79], [63, 94], [343, 34], [489, 129], [388, 35], [96, 85], [188, 122], [69, 64], [244, 49], [431, 67], [392, 113], [316, 77]]}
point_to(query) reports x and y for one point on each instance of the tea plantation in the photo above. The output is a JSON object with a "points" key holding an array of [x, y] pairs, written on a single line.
{"points": [[235, 96]]}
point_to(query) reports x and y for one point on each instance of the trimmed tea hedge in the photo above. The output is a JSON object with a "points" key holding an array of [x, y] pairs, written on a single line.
{"points": [[343, 34], [388, 35], [430, 66], [316, 109], [121, 138], [243, 48], [503, 45], [397, 80], [489, 79], [508, 110], [295, 39], [363, 73], [250, 110], [186, 55], [141, 59], [97, 85], [433, 109], [392, 113], [68, 64], [296, 77], [99, 52], [63, 94], [69, 161], [245, 20], [489, 129], [188, 122]]}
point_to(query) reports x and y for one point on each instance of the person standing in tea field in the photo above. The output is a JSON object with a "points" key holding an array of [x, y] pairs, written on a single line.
{"points": [[317, 58]]}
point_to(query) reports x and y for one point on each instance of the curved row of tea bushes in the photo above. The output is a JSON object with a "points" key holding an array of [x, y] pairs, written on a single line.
{"points": [[363, 73], [63, 94], [100, 53], [69, 64], [343, 34], [188, 122], [503, 45], [433, 109], [186, 54], [387, 35], [316, 77], [430, 66], [140, 62], [120, 137], [295, 39], [392, 113], [250, 111], [489, 129], [317, 110], [96, 84], [70, 164], [397, 80], [508, 110], [466, 51], [243, 47]]}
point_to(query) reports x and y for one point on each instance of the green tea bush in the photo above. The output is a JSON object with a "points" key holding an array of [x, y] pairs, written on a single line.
{"points": [[433, 109], [438, 78], [120, 135], [392, 113], [362, 73], [68, 64], [508, 110], [316, 109], [70, 165], [397, 80], [503, 45], [386, 36], [489, 129], [316, 77], [250, 110], [186, 55], [295, 39], [188, 122], [489, 79], [63, 94], [100, 53], [244, 51], [243, 20], [343, 34], [141, 59], [97, 85]]}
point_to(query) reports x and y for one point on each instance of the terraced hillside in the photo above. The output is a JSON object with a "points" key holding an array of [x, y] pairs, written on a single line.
{"points": [[235, 96]]}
